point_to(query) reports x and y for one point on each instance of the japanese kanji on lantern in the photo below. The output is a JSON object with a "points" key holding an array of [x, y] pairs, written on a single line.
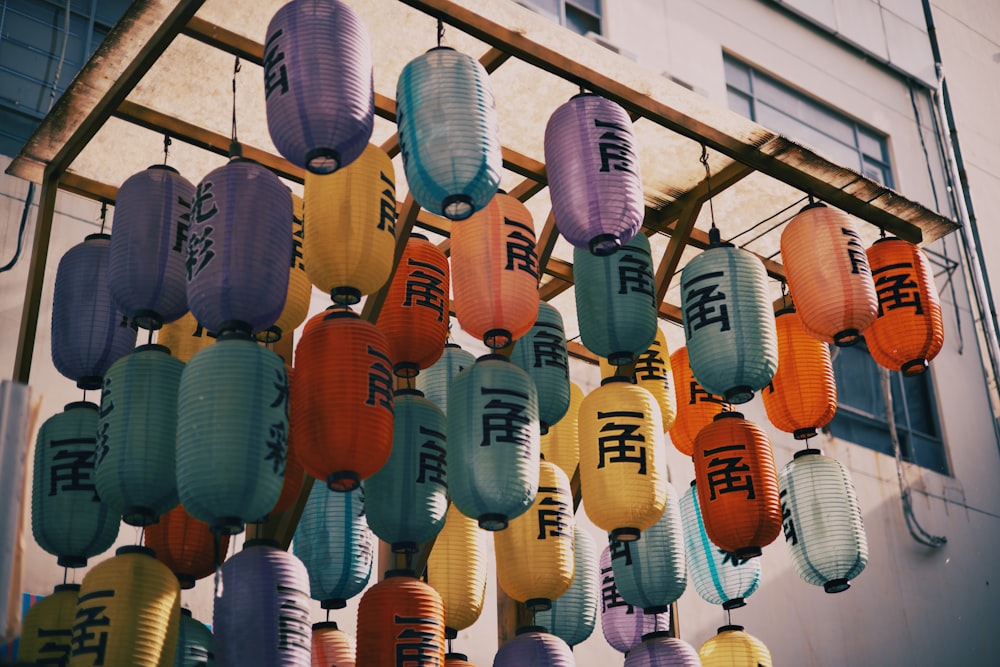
{"points": [[573, 615], [295, 474], [185, 545], [623, 625], [195, 642], [456, 569], [734, 646], [542, 354], [47, 628], [299, 288], [696, 408], [400, 616]]}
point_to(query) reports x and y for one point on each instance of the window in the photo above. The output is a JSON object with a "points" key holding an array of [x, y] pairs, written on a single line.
{"points": [[778, 107], [581, 16]]}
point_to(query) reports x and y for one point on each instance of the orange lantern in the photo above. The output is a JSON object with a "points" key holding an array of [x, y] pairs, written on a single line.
{"points": [[416, 314], [185, 545], [696, 408], [737, 485], [495, 268], [400, 621], [802, 397], [295, 475], [908, 331], [184, 337], [457, 660], [331, 646], [342, 361], [561, 445], [828, 274]]}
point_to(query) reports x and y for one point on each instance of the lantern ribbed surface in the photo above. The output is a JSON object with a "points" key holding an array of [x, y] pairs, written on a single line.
{"points": [[47, 627], [184, 336], [344, 361], [336, 545], [331, 646], [823, 527], [415, 315], [534, 555], [729, 321], [449, 134], [737, 485], [128, 612], [195, 643], [318, 84], [573, 615], [494, 266], [295, 474], [435, 382], [457, 660], [407, 499], [623, 625], [718, 576], [262, 609], [400, 621], [561, 445], [802, 396], [146, 271], [908, 331], [185, 545], [828, 274], [592, 163], [542, 354], [456, 569], [232, 433], [616, 301], [135, 466], [651, 572], [623, 478], [238, 248], [493, 442], [299, 288], [68, 519], [533, 647], [351, 227], [658, 649], [734, 647], [696, 408], [88, 331]]}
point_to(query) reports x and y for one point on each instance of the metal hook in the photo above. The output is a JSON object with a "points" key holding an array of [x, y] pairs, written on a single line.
{"points": [[440, 31]]}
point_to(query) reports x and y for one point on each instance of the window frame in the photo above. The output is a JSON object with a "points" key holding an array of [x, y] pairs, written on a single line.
{"points": [[576, 6]]}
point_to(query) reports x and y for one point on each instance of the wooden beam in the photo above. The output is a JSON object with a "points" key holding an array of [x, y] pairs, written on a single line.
{"points": [[546, 242], [672, 257]]}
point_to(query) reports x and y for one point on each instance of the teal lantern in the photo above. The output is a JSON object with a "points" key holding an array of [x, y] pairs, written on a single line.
{"points": [[732, 340], [435, 382], [68, 519], [573, 615], [542, 354], [408, 497], [232, 432], [616, 301], [493, 442], [135, 471], [194, 643]]}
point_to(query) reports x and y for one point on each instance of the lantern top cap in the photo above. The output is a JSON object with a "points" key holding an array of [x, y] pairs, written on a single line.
{"points": [[715, 239], [326, 625], [615, 378], [400, 572], [492, 356], [808, 451], [524, 629], [66, 587], [785, 310], [152, 347], [888, 238], [337, 314], [260, 542], [656, 634], [452, 345], [455, 656], [728, 415], [97, 237], [80, 405], [408, 391], [731, 628], [418, 236], [812, 205], [585, 93], [186, 612], [135, 549], [164, 167]]}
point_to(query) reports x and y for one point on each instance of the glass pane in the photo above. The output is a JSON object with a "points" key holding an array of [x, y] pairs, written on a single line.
{"points": [[857, 379], [592, 7], [872, 144], [737, 74], [740, 103], [795, 129], [582, 22], [861, 431], [549, 8]]}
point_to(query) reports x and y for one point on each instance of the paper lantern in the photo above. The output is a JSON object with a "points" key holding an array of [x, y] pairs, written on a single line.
{"points": [[195, 643], [184, 336], [147, 251], [88, 332], [295, 474], [728, 321], [592, 163], [457, 660], [494, 266], [733, 647], [436, 381], [232, 432], [533, 647], [737, 485], [822, 521], [696, 408], [128, 612], [407, 499], [299, 288], [659, 649], [493, 441], [573, 615], [616, 301], [828, 274], [449, 135], [336, 545], [651, 572], [344, 361], [262, 610], [908, 331], [331, 646], [561, 445], [318, 84], [400, 620], [415, 315], [802, 396], [622, 473], [652, 371], [718, 576], [623, 625], [47, 628], [185, 545], [534, 554], [135, 469], [542, 354], [239, 243], [68, 519], [456, 569]]}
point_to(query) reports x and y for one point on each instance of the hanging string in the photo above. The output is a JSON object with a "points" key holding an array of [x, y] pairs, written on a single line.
{"points": [[729, 616], [327, 615], [440, 32], [104, 215], [784, 294], [234, 145], [65, 575], [218, 565], [166, 147], [708, 183]]}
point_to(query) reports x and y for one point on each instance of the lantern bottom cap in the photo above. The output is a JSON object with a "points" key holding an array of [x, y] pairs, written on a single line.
{"points": [[735, 603], [625, 534], [492, 521], [271, 334], [457, 207], [72, 561], [740, 394], [450, 633], [406, 369], [914, 367], [538, 604], [139, 516], [343, 480], [747, 552], [497, 338], [836, 585], [804, 433], [227, 525], [603, 245], [147, 319], [185, 580], [322, 160], [333, 603], [621, 359], [846, 338], [89, 382], [345, 296], [656, 609]]}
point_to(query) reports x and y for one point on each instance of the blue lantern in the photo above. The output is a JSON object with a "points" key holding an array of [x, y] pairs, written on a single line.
{"points": [[448, 133], [435, 382], [534, 647], [408, 497], [195, 643], [624, 625], [542, 354], [573, 615]]}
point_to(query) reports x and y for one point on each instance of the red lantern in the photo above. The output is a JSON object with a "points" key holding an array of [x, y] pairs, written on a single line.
{"points": [[400, 621], [695, 407], [185, 545]]}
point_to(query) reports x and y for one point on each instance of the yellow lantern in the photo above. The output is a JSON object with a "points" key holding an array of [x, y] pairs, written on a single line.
{"points": [[48, 627], [456, 569], [561, 445], [299, 288], [652, 371], [184, 337], [733, 647]]}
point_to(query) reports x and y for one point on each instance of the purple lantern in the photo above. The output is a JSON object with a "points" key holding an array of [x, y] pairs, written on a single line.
{"points": [[239, 248], [318, 84], [624, 625], [88, 332], [533, 647], [593, 169], [148, 246], [660, 649]]}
